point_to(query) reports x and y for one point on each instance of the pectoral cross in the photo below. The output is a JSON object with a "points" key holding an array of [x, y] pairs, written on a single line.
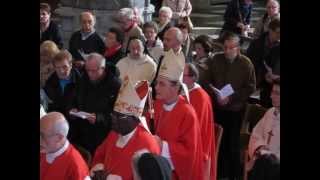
{"points": [[270, 133]]}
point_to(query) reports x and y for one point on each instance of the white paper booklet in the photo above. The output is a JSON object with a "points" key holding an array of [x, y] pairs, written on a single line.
{"points": [[226, 91], [81, 114]]}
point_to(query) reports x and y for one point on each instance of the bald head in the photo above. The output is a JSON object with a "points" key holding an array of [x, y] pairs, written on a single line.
{"points": [[173, 38], [54, 123], [87, 21]]}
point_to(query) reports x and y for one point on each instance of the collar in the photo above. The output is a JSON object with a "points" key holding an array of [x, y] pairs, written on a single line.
{"points": [[196, 86], [86, 35], [50, 157], [170, 106], [163, 26], [123, 140], [112, 51], [178, 52]]}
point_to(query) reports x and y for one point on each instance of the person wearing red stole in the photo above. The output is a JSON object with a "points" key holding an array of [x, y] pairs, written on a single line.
{"points": [[129, 133], [201, 102], [175, 121], [59, 160]]}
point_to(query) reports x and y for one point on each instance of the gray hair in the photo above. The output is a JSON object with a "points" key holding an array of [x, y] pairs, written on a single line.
{"points": [[179, 34], [167, 10], [61, 127], [101, 61], [231, 37], [88, 12], [139, 42], [127, 13]]}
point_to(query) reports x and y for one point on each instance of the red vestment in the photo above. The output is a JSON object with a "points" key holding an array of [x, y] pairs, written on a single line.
{"points": [[118, 160], [201, 102], [68, 166], [180, 128]]}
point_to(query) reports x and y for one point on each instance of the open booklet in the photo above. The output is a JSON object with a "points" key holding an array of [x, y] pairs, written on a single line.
{"points": [[226, 91], [81, 114]]}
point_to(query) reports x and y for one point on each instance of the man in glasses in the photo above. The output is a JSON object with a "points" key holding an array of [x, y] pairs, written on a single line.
{"points": [[129, 133], [96, 94], [58, 158], [234, 72], [61, 85]]}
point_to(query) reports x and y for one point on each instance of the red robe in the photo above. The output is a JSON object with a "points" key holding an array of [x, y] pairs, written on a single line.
{"points": [[68, 166], [118, 160], [180, 128], [201, 102]]}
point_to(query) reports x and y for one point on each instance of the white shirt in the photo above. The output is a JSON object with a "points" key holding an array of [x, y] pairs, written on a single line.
{"points": [[50, 157], [165, 151], [123, 140], [140, 69]]}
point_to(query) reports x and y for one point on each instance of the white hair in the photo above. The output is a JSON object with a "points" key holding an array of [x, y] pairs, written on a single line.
{"points": [[61, 127], [101, 61], [166, 10], [127, 13], [139, 42]]}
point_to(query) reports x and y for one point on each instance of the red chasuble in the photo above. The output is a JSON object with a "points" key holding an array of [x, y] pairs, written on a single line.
{"points": [[180, 128], [68, 166], [201, 102], [118, 160]]}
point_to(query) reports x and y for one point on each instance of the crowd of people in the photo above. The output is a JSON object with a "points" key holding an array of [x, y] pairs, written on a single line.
{"points": [[142, 102]]}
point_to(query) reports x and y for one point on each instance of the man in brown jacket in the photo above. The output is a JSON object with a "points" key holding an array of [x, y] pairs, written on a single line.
{"points": [[234, 69]]}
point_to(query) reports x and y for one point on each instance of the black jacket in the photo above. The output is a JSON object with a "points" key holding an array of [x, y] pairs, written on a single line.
{"points": [[98, 98], [53, 33], [93, 43], [62, 100]]}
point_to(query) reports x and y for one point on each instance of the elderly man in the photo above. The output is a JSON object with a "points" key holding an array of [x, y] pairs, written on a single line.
{"points": [[137, 65], [165, 23], [129, 25], [175, 122], [86, 40], [130, 133], [201, 102], [265, 137], [235, 73], [173, 39], [48, 29], [58, 158], [95, 95], [61, 85]]}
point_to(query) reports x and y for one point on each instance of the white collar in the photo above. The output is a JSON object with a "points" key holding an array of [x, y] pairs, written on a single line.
{"points": [[196, 86], [123, 140], [50, 157], [170, 106]]}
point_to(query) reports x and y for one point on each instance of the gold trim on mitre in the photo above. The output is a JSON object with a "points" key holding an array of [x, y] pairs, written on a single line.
{"points": [[128, 101]]}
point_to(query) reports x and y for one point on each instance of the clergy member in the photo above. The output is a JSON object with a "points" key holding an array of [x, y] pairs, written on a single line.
{"points": [[129, 133], [201, 102], [58, 158], [175, 121]]}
